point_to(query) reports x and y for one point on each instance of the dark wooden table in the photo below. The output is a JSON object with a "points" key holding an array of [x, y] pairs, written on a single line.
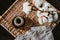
{"points": [[5, 35]]}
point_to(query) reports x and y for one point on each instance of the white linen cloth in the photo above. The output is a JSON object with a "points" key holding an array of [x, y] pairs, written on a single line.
{"points": [[37, 33]]}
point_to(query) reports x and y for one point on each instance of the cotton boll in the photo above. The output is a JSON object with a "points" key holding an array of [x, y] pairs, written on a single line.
{"points": [[39, 8], [50, 20], [26, 8], [55, 16], [38, 3], [44, 14], [46, 6], [42, 20], [41, 14], [38, 13], [45, 20], [52, 9], [42, 17]]}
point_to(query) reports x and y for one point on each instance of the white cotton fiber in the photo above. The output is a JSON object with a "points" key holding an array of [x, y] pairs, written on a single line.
{"points": [[38, 13], [55, 15], [38, 3], [26, 7], [46, 6]]}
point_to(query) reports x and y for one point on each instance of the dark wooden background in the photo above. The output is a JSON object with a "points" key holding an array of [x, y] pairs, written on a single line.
{"points": [[5, 4]]}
